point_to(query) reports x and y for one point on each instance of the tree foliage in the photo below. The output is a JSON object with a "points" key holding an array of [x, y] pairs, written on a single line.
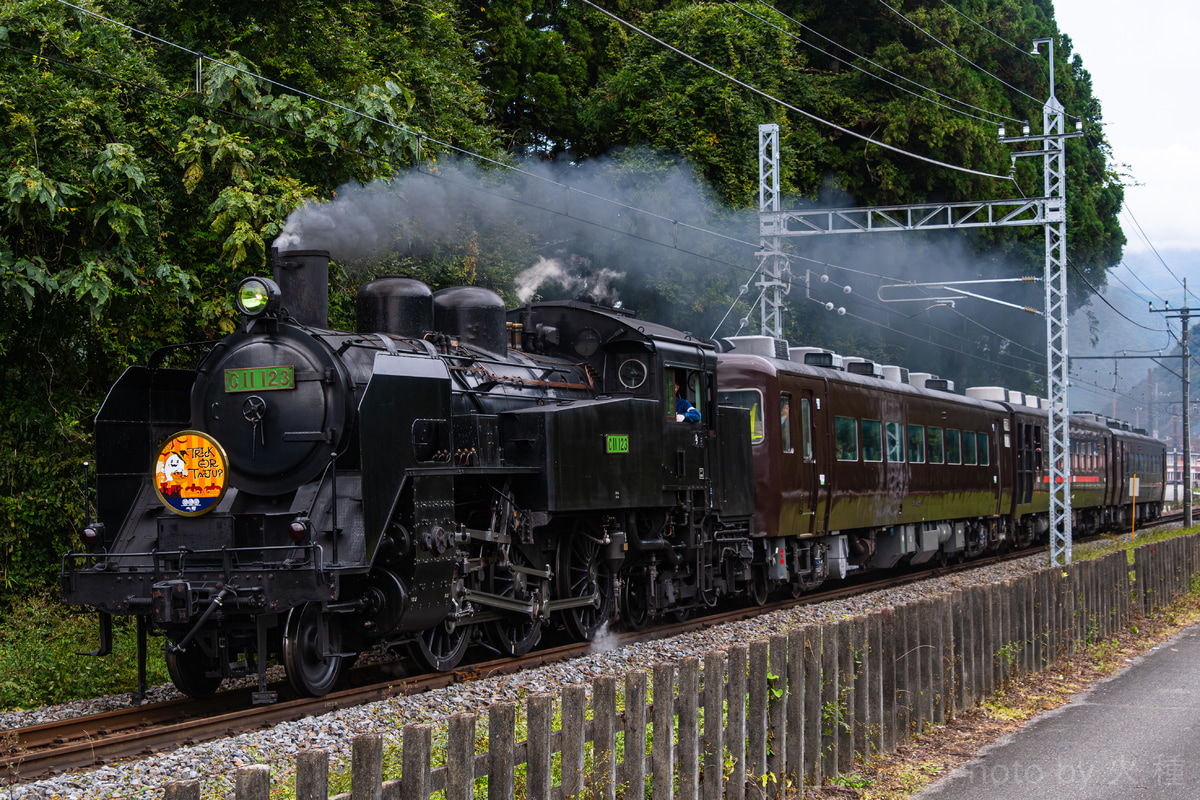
{"points": [[140, 182]]}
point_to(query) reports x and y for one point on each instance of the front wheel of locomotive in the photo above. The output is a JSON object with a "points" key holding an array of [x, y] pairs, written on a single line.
{"points": [[442, 647], [190, 674], [308, 671], [584, 572]]}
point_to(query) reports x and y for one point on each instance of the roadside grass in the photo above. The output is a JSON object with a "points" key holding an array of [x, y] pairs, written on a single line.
{"points": [[41, 642]]}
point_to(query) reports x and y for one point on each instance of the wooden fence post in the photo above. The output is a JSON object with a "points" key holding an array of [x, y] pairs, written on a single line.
{"points": [[634, 772], [689, 727], [887, 684], [663, 757], [735, 730], [847, 668], [312, 775], [182, 790], [873, 688], [921, 650], [604, 737], [795, 709], [812, 702], [713, 783], [502, 731], [460, 758], [756, 715], [777, 718], [959, 618], [948, 611], [938, 636], [366, 767], [253, 783], [574, 710], [828, 699], [539, 715], [860, 713], [414, 777], [902, 636]]}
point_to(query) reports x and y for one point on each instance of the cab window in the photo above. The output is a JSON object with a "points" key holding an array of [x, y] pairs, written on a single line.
{"points": [[681, 384]]}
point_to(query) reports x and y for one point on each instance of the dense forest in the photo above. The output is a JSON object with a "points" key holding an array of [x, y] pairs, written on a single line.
{"points": [[153, 152]]}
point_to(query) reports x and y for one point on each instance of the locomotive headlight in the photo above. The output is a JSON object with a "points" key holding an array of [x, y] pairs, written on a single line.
{"points": [[256, 296]]}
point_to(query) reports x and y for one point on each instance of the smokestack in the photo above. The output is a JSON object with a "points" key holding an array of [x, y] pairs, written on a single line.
{"points": [[303, 278]]}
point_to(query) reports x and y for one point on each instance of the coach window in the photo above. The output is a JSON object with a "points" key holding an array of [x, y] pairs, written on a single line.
{"points": [[968, 447], [983, 450], [872, 440], [785, 422], [935, 452], [953, 446], [845, 435], [750, 400], [895, 442], [916, 444]]}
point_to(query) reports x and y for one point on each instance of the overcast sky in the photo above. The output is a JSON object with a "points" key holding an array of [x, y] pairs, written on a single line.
{"points": [[1142, 60]]}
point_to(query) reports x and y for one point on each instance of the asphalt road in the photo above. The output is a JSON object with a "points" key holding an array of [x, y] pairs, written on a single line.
{"points": [[1135, 735]]}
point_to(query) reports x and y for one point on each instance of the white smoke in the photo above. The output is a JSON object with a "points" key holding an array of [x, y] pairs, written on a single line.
{"points": [[361, 221], [597, 287], [605, 640]]}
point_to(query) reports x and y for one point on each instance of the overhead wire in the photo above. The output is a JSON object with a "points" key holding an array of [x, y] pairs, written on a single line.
{"points": [[895, 11], [989, 32], [853, 65], [1125, 207], [784, 104], [1113, 274]]}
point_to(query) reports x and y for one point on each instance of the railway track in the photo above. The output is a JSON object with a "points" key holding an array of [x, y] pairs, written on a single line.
{"points": [[80, 743]]}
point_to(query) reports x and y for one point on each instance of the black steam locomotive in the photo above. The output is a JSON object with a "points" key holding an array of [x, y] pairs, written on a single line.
{"points": [[448, 474], [454, 474]]}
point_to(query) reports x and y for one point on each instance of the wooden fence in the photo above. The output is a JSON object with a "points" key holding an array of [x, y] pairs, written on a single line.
{"points": [[758, 721]]}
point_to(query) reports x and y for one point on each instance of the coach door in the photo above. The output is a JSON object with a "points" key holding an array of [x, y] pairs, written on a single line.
{"points": [[1028, 448], [801, 416]]}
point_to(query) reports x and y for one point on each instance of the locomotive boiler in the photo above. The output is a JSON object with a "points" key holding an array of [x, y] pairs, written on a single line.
{"points": [[448, 474]]}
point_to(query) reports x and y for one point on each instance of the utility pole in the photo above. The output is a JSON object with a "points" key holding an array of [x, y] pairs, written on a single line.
{"points": [[770, 252], [1048, 211], [1184, 314]]}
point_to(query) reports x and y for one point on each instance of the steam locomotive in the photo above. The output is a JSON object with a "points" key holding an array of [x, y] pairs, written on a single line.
{"points": [[454, 474]]}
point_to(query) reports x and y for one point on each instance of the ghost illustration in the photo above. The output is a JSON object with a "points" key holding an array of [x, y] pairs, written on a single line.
{"points": [[174, 465]]}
